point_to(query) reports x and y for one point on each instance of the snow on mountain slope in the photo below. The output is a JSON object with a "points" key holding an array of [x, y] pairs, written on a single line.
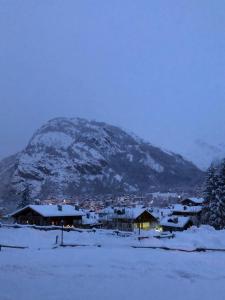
{"points": [[203, 153], [67, 157]]}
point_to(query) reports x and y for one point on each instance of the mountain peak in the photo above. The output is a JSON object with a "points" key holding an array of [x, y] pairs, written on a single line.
{"points": [[70, 156]]}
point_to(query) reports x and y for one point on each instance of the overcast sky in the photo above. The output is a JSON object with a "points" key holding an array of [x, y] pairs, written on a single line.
{"points": [[156, 68]]}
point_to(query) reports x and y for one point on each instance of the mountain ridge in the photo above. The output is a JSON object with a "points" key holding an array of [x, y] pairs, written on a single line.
{"points": [[71, 156]]}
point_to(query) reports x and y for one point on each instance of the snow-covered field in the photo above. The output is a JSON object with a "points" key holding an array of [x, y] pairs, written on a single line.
{"points": [[113, 271]]}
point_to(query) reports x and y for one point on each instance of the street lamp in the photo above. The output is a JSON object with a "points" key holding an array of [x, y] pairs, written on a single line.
{"points": [[62, 223]]}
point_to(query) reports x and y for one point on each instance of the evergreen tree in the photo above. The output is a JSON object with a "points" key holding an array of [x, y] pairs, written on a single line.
{"points": [[25, 197], [218, 206], [214, 211], [211, 186]]}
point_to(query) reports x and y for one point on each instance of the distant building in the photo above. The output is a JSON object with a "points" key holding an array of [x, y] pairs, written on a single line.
{"points": [[45, 215]]}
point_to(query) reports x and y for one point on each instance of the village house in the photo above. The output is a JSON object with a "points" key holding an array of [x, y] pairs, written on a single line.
{"points": [[45, 215], [178, 217], [191, 207], [185, 210], [135, 218], [193, 201], [176, 223], [127, 219], [90, 219]]}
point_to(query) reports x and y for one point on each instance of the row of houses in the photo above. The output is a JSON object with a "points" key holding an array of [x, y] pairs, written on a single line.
{"points": [[173, 218], [176, 217], [181, 216], [115, 218]]}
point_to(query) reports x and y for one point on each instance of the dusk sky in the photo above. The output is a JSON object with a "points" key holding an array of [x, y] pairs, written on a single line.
{"points": [[156, 68]]}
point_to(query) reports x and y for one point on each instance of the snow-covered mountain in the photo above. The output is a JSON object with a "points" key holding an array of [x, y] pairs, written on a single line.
{"points": [[67, 157], [203, 153]]}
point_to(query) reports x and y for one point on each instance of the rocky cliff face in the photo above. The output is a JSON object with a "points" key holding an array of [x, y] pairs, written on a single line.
{"points": [[67, 157]]}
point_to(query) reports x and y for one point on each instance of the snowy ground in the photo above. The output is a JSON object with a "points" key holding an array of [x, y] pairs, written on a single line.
{"points": [[113, 271]]}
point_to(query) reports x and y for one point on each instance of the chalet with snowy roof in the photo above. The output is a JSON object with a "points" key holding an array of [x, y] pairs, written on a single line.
{"points": [[185, 210], [45, 215], [128, 219], [193, 201], [176, 223]]}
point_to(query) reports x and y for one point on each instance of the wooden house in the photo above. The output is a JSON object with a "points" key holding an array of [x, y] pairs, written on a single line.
{"points": [[129, 219], [45, 215]]}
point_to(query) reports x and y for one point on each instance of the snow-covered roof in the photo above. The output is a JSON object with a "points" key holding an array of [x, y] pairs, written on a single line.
{"points": [[130, 213], [186, 209], [107, 210], [175, 221], [195, 200], [53, 210], [160, 213], [123, 213]]}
